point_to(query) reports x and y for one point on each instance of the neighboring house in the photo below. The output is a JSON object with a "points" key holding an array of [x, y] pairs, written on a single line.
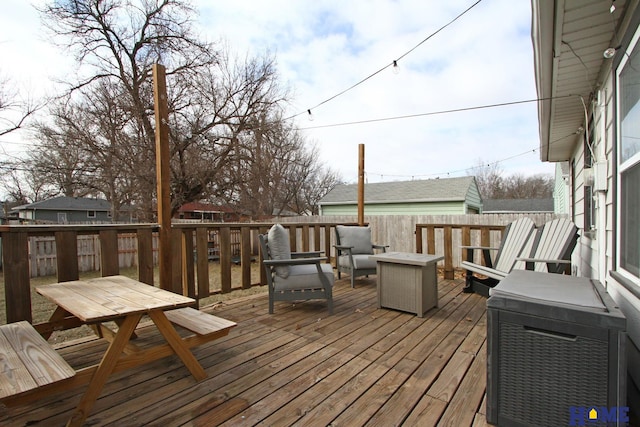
{"points": [[587, 65], [206, 212], [503, 206], [451, 196], [65, 210]]}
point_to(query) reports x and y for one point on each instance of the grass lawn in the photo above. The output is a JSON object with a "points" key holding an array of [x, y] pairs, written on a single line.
{"points": [[42, 308]]}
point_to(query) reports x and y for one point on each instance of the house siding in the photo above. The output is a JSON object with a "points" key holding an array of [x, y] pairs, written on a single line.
{"points": [[558, 74], [427, 208], [596, 253], [473, 200]]}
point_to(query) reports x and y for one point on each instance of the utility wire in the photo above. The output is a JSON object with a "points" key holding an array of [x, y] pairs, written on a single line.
{"points": [[473, 167], [393, 63], [433, 113]]}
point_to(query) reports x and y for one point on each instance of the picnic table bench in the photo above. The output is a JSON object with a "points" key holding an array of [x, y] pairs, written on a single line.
{"points": [[27, 361], [30, 368]]}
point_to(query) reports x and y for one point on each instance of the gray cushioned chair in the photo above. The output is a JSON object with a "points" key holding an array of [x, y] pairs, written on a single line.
{"points": [[294, 276], [353, 247]]}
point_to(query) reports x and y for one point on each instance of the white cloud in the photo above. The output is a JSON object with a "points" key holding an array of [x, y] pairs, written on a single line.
{"points": [[323, 47]]}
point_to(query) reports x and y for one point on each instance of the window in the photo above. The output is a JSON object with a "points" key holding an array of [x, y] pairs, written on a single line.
{"points": [[628, 98], [91, 214]]}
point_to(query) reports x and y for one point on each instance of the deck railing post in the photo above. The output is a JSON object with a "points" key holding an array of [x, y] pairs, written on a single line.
{"points": [[15, 265], [225, 259], [67, 255], [110, 265], [145, 255], [245, 256], [448, 253]]}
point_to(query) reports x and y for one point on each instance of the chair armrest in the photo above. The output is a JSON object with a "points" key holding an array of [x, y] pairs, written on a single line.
{"points": [[485, 253], [484, 248], [342, 247], [309, 254], [379, 246], [552, 261], [294, 261]]}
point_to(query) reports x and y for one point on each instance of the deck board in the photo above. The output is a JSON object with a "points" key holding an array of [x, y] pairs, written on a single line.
{"points": [[299, 366]]}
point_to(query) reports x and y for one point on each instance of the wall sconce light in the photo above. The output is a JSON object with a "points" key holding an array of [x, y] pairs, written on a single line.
{"points": [[610, 52]]}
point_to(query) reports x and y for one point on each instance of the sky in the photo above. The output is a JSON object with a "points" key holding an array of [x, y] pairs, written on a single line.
{"points": [[323, 47]]}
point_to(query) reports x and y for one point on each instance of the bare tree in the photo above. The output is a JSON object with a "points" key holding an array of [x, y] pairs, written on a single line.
{"points": [[493, 185], [116, 42], [14, 110], [277, 172], [489, 179], [227, 138]]}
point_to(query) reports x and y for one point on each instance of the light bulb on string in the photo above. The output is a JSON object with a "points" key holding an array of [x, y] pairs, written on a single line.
{"points": [[309, 115], [396, 68]]}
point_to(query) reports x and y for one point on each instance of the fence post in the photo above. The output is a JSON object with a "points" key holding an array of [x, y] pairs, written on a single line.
{"points": [[15, 263]]}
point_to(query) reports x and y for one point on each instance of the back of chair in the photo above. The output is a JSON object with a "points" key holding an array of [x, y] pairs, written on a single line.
{"points": [[358, 238], [555, 240], [517, 236], [275, 245]]}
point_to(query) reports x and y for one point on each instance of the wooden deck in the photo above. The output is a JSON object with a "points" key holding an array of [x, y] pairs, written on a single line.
{"points": [[361, 366]]}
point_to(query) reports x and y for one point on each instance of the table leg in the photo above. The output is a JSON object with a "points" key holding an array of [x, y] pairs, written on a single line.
{"points": [[108, 362], [177, 344], [58, 315]]}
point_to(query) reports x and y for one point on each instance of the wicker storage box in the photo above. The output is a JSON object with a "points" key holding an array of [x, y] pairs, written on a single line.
{"points": [[556, 344]]}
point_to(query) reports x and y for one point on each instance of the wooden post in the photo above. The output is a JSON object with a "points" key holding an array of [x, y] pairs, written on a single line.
{"points": [[15, 264], [361, 184], [162, 174]]}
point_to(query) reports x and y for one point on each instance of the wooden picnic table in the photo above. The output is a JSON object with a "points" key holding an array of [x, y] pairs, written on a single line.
{"points": [[124, 301]]}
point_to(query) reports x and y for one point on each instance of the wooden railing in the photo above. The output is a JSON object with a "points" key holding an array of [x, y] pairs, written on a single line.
{"points": [[15, 256], [480, 235], [235, 244], [192, 246]]}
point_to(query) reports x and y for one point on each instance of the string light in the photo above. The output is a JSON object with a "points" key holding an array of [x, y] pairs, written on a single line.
{"points": [[396, 68], [309, 115], [448, 174], [392, 64], [433, 113]]}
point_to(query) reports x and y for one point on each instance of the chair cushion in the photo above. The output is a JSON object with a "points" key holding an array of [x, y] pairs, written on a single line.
{"points": [[304, 276], [279, 248], [359, 238], [360, 262]]}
